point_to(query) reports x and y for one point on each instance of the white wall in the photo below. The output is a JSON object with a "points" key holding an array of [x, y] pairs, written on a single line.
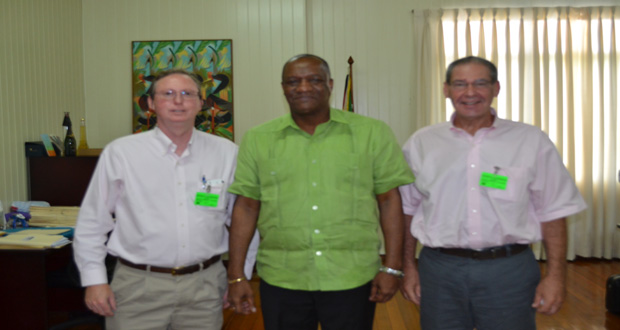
{"points": [[41, 77]]}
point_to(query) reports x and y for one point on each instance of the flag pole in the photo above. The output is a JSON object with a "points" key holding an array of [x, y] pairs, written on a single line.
{"points": [[347, 102]]}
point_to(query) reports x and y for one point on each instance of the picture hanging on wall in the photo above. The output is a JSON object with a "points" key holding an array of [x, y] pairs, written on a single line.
{"points": [[210, 60]]}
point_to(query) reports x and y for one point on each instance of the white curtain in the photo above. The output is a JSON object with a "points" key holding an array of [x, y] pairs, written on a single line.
{"points": [[558, 70]]}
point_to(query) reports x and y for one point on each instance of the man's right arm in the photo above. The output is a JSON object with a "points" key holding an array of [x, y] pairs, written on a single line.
{"points": [[244, 219], [411, 281], [94, 224]]}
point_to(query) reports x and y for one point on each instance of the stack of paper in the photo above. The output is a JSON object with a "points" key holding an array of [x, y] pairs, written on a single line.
{"points": [[54, 216], [34, 240]]}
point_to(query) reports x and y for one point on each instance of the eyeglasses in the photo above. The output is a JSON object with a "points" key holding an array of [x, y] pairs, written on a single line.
{"points": [[294, 83], [461, 85], [185, 95]]}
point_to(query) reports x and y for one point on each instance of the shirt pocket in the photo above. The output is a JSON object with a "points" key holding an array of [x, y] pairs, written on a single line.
{"points": [[516, 186], [341, 173], [272, 175], [212, 187], [278, 190]]}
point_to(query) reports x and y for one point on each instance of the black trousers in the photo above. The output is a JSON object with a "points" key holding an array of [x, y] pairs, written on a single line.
{"points": [[285, 309]]}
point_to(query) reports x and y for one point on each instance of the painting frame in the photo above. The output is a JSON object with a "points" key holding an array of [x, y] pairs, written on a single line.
{"points": [[210, 59]]}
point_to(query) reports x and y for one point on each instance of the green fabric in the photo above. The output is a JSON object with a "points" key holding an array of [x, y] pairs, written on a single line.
{"points": [[318, 193]]}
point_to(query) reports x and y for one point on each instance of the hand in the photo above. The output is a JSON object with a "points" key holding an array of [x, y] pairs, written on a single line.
{"points": [[384, 287], [241, 297], [411, 286], [549, 296], [100, 299]]}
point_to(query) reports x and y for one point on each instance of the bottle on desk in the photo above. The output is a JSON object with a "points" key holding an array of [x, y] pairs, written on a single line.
{"points": [[83, 145], [70, 143], [66, 122]]}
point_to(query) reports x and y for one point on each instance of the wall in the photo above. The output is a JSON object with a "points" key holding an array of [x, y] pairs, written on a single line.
{"points": [[41, 77]]}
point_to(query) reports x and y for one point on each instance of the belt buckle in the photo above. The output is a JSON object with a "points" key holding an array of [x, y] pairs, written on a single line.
{"points": [[175, 271]]}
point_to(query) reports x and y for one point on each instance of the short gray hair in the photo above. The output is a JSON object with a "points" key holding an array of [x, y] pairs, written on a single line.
{"points": [[472, 59], [195, 78], [324, 64]]}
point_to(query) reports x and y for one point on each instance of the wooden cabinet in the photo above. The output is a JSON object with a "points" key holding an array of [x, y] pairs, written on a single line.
{"points": [[60, 181]]}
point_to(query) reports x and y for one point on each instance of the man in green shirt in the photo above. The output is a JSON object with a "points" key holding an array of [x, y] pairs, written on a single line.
{"points": [[317, 183]]}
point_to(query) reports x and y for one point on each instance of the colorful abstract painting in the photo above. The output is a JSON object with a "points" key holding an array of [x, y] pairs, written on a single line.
{"points": [[211, 60]]}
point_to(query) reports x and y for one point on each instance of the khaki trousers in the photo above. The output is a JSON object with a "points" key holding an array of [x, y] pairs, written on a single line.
{"points": [[149, 300]]}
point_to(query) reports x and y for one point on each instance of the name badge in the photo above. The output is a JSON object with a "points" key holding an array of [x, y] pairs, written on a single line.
{"points": [[494, 181], [206, 199]]}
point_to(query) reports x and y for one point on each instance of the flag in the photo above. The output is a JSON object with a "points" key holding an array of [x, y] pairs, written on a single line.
{"points": [[347, 102]]}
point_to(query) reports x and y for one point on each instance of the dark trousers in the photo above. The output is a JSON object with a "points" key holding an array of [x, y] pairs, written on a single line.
{"points": [[285, 309], [462, 293]]}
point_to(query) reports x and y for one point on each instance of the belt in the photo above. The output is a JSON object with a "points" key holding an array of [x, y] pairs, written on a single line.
{"points": [[485, 254], [173, 271]]}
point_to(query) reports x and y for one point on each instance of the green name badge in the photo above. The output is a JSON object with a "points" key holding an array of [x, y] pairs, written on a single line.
{"points": [[493, 181], [206, 199]]}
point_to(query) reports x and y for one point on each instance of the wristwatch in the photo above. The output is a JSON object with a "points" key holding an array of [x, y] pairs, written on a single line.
{"points": [[391, 271]]}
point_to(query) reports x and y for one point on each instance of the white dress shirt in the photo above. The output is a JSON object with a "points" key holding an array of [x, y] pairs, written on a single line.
{"points": [[144, 194], [450, 207]]}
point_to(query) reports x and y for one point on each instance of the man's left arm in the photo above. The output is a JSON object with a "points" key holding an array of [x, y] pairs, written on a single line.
{"points": [[551, 290], [384, 285]]}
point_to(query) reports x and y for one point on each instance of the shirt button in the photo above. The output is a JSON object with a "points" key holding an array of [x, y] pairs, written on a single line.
{"points": [[475, 211], [473, 165], [315, 207], [314, 184], [316, 231], [319, 253], [314, 161], [473, 188], [474, 233], [273, 172]]}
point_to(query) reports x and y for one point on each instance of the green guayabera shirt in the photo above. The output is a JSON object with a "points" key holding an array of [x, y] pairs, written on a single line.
{"points": [[319, 218]]}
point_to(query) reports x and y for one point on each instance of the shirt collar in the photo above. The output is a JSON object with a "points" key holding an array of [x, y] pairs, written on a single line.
{"points": [[335, 115], [165, 144], [496, 120]]}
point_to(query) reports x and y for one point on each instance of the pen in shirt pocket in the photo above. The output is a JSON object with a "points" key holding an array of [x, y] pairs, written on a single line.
{"points": [[206, 187]]}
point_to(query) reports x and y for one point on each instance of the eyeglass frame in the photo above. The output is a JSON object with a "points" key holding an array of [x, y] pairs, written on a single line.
{"points": [[479, 84], [172, 94]]}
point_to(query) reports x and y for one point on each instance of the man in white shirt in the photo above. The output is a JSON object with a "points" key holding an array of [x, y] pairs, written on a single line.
{"points": [[158, 201], [485, 189]]}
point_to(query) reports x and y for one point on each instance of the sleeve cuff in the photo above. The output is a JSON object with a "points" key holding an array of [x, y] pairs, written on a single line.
{"points": [[94, 277]]}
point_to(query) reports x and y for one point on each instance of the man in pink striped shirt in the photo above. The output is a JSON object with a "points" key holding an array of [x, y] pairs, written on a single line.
{"points": [[485, 189]]}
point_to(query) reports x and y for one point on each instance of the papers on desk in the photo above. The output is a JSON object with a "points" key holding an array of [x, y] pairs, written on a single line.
{"points": [[39, 231], [34, 239], [54, 216]]}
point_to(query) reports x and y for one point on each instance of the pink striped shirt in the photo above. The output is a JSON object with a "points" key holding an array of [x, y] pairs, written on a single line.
{"points": [[451, 209]]}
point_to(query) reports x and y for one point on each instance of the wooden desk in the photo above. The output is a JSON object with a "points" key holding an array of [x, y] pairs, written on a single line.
{"points": [[24, 302]]}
